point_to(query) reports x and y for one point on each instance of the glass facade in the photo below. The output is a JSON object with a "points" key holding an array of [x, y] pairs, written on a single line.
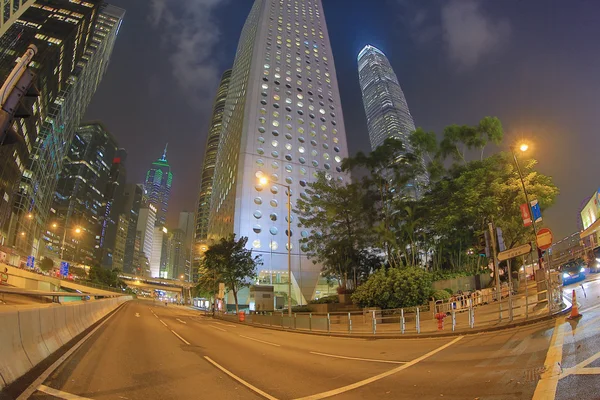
{"points": [[283, 121], [11, 10], [158, 187]]}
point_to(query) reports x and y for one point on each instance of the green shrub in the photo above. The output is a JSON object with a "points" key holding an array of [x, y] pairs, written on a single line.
{"points": [[440, 295], [449, 291], [394, 288], [300, 309], [326, 300]]}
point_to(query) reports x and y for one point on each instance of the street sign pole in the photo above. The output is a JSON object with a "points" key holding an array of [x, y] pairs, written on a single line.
{"points": [[496, 272]]}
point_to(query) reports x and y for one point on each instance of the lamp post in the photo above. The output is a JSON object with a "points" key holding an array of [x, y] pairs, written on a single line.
{"points": [[263, 181], [523, 148]]}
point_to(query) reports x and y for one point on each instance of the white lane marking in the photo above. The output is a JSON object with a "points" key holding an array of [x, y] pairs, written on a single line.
{"points": [[182, 339], [546, 387], [585, 371], [364, 382], [183, 322], [261, 341], [358, 359], [240, 380], [216, 327], [225, 324], [162, 322], [581, 367], [40, 379], [137, 314], [60, 394]]}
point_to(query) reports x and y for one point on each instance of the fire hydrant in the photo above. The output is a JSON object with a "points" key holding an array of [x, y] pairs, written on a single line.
{"points": [[440, 317]]}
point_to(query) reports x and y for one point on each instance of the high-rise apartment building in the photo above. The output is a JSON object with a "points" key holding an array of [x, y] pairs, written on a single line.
{"points": [[208, 165], [385, 105], [79, 200], [158, 186], [81, 36], [283, 121]]}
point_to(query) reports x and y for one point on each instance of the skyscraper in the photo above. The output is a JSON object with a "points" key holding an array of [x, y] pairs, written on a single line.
{"points": [[145, 236], [80, 193], [283, 121], [11, 10], [385, 105], [132, 203], [79, 52], [158, 186], [208, 165]]}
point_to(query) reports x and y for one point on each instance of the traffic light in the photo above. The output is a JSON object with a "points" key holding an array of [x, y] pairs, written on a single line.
{"points": [[15, 96], [481, 245]]}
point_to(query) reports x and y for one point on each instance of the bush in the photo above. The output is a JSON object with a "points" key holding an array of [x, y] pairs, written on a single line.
{"points": [[300, 309], [441, 275], [394, 288], [440, 295], [449, 291], [326, 300]]}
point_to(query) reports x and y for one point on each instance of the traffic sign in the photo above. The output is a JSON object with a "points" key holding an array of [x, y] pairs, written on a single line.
{"points": [[514, 252], [64, 268], [30, 261], [544, 239]]}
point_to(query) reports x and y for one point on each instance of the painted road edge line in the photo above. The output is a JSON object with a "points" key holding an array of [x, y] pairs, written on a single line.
{"points": [[183, 322], [182, 339], [546, 387], [44, 375], [364, 382], [60, 394], [261, 341], [358, 358], [240, 380]]}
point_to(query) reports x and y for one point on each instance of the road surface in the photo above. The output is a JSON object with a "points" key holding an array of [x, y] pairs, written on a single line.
{"points": [[149, 351]]}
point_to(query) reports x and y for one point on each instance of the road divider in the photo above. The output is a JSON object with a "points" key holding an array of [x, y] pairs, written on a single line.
{"points": [[28, 336]]}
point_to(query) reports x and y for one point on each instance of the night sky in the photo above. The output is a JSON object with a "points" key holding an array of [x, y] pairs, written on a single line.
{"points": [[533, 64]]}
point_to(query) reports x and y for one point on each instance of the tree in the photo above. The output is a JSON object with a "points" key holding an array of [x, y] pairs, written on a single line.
{"points": [[394, 288], [230, 262], [46, 264], [460, 138], [341, 218]]}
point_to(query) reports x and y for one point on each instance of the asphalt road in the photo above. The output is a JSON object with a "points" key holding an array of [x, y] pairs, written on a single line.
{"points": [[146, 351]]}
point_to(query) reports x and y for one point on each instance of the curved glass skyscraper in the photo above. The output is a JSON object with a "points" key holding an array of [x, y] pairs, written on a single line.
{"points": [[385, 104], [158, 187]]}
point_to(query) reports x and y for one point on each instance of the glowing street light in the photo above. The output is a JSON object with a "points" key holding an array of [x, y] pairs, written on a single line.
{"points": [[78, 230], [524, 147], [263, 181]]}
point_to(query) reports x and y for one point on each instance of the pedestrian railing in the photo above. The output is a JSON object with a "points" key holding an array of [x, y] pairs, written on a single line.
{"points": [[461, 313]]}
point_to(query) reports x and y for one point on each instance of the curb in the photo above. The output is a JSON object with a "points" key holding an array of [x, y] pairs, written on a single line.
{"points": [[411, 336]]}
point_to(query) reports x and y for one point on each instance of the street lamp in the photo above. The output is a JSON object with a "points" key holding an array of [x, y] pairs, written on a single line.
{"points": [[523, 147], [263, 181]]}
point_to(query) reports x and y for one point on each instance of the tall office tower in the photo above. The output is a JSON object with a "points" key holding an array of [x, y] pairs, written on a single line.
{"points": [[88, 45], [132, 195], [145, 233], [283, 121], [118, 253], [80, 200], [112, 210], [158, 186], [383, 99], [178, 254], [160, 260], [208, 168], [10, 11], [187, 223], [385, 105]]}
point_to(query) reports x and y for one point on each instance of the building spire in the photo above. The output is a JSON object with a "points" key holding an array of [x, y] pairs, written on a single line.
{"points": [[164, 156]]}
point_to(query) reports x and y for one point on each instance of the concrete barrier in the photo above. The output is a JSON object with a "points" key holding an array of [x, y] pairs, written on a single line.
{"points": [[30, 335]]}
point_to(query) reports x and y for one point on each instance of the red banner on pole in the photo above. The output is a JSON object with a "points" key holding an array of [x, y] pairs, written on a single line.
{"points": [[525, 214]]}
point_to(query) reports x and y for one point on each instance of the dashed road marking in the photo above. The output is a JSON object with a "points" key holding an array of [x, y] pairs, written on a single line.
{"points": [[162, 322], [358, 358], [182, 339], [546, 387], [220, 323], [240, 380], [261, 341], [216, 327], [183, 322]]}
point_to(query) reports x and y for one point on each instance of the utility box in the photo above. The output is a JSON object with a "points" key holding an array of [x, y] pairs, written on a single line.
{"points": [[261, 298]]}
